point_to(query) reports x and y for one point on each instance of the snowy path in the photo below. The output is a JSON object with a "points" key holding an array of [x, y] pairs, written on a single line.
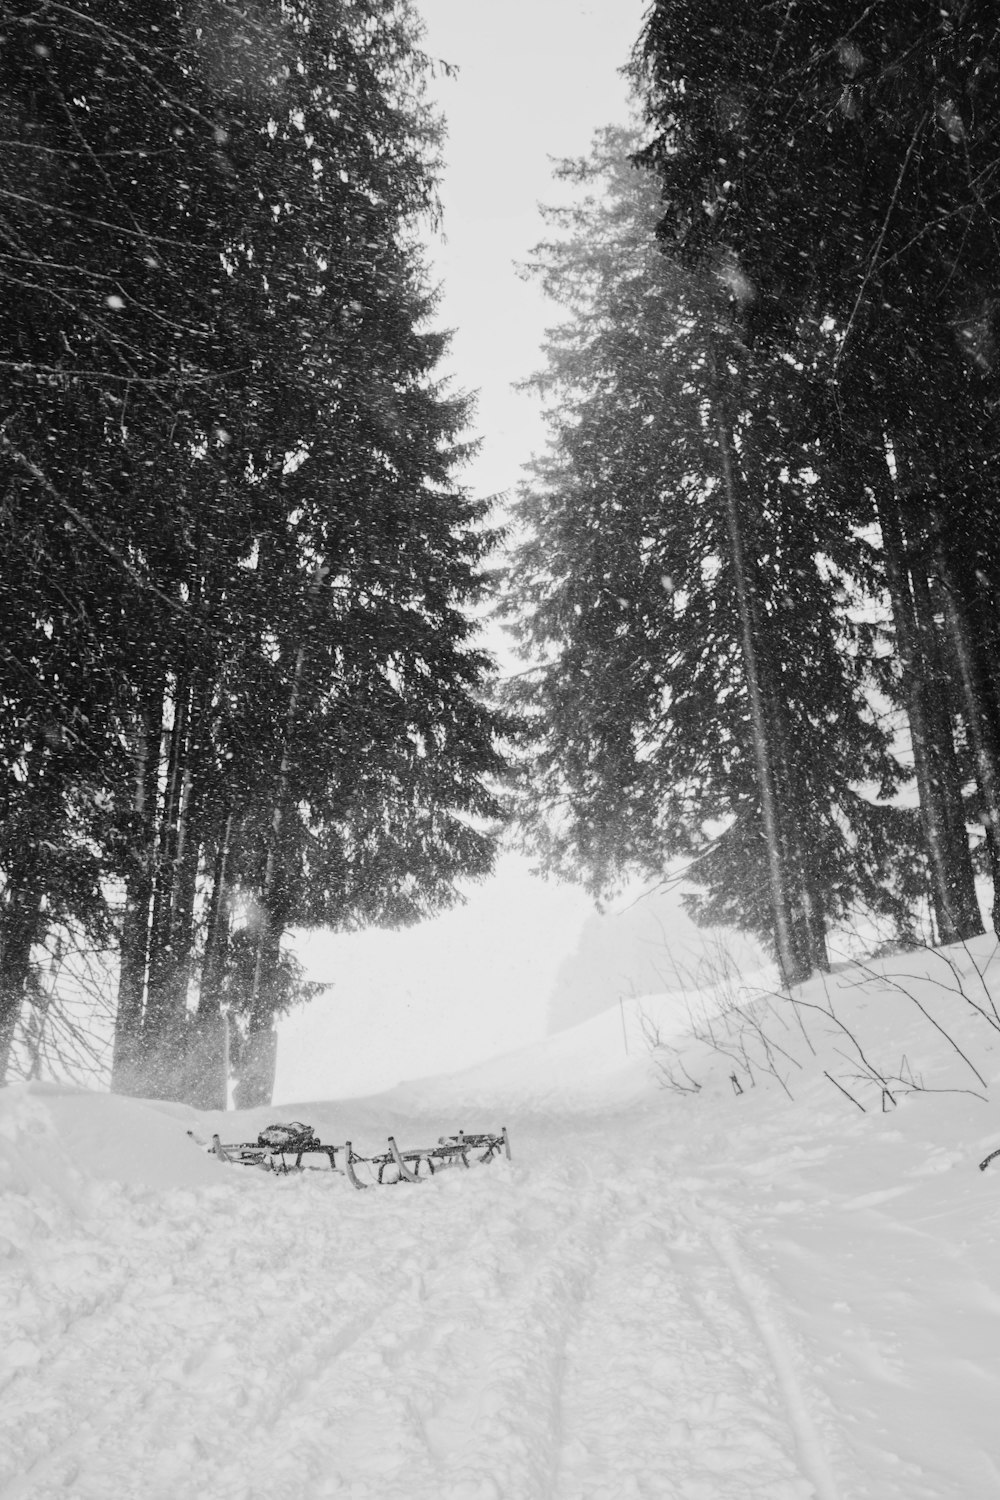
{"points": [[560, 1329], [668, 1299]]}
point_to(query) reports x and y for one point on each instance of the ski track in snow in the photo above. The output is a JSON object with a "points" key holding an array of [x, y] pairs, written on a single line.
{"points": [[673, 1387]]}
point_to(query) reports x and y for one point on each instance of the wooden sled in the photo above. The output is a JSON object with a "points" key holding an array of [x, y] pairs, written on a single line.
{"points": [[450, 1151], [272, 1158]]}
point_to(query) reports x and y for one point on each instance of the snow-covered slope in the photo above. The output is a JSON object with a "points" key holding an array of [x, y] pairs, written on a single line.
{"points": [[768, 1295]]}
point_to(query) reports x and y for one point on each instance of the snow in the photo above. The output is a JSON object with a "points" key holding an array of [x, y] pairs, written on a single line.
{"points": [[772, 1295]]}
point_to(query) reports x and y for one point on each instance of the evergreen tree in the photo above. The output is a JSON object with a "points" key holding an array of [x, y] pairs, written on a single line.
{"points": [[246, 541], [634, 597], [843, 160]]}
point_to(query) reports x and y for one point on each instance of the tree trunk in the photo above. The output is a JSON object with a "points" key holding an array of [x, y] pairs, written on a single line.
{"points": [[933, 813], [806, 908], [256, 1068], [259, 1057], [164, 1022], [217, 927], [945, 766], [268, 940], [207, 1062], [807, 905], [791, 961], [126, 1066], [979, 721], [191, 1036], [20, 920]]}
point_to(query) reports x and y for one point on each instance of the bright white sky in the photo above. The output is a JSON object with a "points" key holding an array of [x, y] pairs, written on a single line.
{"points": [[536, 79]]}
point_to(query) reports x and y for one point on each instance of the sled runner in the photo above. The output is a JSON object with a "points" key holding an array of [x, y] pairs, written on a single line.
{"points": [[450, 1151]]}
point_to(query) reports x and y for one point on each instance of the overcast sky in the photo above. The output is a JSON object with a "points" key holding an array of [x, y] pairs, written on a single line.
{"points": [[536, 78]]}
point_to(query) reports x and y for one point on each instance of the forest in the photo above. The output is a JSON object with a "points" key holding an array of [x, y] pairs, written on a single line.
{"points": [[753, 576], [757, 577], [241, 692]]}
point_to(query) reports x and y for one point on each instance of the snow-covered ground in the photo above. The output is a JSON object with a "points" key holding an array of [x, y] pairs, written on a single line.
{"points": [[770, 1295]]}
